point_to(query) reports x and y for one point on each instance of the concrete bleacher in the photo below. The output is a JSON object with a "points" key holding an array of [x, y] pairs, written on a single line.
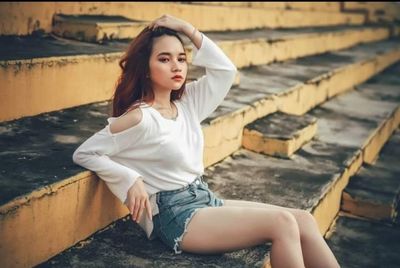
{"points": [[316, 98]]}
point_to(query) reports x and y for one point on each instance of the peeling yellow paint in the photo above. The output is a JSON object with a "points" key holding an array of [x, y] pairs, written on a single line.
{"points": [[26, 89], [14, 17], [328, 207], [378, 138], [68, 215]]}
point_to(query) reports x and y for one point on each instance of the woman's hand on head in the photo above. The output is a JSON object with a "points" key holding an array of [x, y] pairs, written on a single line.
{"points": [[138, 200], [170, 22]]}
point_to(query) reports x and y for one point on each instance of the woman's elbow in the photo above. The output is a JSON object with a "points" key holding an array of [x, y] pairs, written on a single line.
{"points": [[232, 68], [77, 157]]}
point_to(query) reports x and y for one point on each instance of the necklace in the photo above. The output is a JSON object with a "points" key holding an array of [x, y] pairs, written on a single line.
{"points": [[170, 114]]}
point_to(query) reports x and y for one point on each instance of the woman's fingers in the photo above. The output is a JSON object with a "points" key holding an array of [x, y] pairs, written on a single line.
{"points": [[140, 212], [137, 208], [132, 207], [166, 21], [153, 24], [148, 206]]}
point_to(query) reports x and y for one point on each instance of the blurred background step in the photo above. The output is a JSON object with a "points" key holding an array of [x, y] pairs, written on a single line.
{"points": [[25, 18], [263, 46], [374, 11], [279, 134], [307, 82], [245, 47], [359, 243], [96, 28], [314, 6], [57, 208], [375, 190]]}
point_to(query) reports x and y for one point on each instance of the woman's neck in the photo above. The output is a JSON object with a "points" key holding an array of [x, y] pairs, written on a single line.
{"points": [[162, 99]]}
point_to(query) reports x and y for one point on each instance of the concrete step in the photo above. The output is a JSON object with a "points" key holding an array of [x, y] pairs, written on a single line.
{"points": [[313, 179], [257, 47], [96, 28], [292, 87], [25, 18], [278, 134], [25, 61], [359, 243], [375, 191], [310, 6]]}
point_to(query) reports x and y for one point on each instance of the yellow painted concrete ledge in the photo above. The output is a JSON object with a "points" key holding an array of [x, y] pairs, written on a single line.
{"points": [[256, 141], [25, 89]]}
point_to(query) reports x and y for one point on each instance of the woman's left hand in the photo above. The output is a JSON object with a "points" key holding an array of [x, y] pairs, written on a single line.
{"points": [[178, 25], [170, 22]]}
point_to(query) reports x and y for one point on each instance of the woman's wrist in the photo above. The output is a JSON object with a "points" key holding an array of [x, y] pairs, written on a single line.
{"points": [[193, 34], [187, 29]]}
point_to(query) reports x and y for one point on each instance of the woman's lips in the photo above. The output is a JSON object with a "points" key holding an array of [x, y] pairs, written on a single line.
{"points": [[177, 78]]}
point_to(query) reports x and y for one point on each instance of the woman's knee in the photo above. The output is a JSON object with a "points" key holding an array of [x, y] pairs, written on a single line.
{"points": [[287, 226], [307, 223], [304, 216]]}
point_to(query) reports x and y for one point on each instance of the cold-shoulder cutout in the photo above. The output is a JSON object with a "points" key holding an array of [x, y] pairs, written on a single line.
{"points": [[126, 121]]}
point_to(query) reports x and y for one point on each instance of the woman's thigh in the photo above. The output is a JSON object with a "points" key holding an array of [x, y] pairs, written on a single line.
{"points": [[252, 204], [225, 229], [304, 218]]}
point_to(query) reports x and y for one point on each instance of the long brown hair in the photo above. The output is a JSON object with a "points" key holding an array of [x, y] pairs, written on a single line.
{"points": [[134, 85]]}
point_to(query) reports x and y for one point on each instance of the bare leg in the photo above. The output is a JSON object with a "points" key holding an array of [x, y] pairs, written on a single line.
{"points": [[225, 229], [316, 252]]}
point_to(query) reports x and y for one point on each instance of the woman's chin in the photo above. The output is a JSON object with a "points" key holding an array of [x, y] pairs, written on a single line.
{"points": [[177, 87]]}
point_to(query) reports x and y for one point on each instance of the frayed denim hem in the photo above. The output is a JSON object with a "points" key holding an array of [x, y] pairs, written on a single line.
{"points": [[179, 239]]}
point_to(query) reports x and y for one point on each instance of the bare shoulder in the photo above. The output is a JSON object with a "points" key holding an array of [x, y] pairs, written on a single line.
{"points": [[128, 120]]}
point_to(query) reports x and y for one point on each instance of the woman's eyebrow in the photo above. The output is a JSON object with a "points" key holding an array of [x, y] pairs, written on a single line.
{"points": [[169, 54]]}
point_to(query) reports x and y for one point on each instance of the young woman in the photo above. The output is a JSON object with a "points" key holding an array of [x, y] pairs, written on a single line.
{"points": [[150, 155]]}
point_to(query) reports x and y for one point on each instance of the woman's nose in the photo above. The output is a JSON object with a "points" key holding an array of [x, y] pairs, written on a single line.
{"points": [[176, 68]]}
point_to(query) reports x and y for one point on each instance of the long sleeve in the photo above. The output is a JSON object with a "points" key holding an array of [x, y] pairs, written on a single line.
{"points": [[94, 154], [210, 90]]}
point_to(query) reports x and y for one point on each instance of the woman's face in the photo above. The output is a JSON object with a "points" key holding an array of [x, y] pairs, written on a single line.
{"points": [[168, 59]]}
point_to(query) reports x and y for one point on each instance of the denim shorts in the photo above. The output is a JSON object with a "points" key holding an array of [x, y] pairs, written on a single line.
{"points": [[176, 209]]}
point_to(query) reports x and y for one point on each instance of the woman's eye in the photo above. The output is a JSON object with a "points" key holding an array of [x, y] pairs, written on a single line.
{"points": [[182, 59], [163, 60]]}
